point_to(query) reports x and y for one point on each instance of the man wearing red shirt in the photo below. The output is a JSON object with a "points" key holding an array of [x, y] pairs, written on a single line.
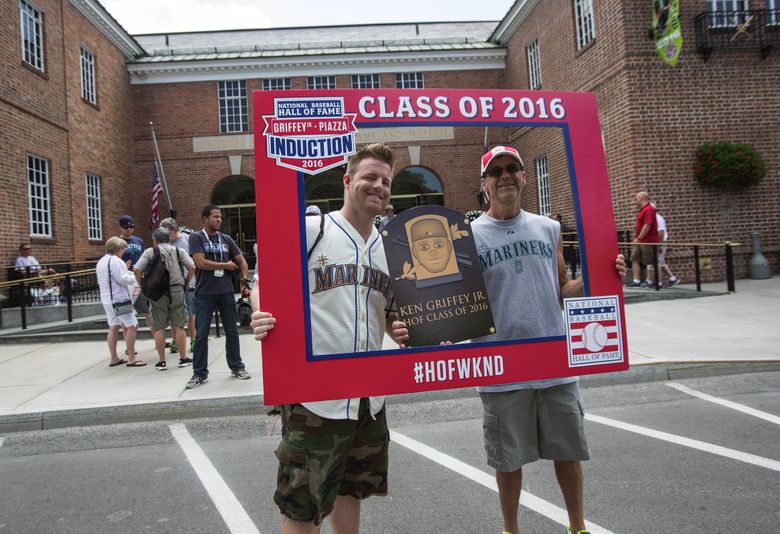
{"points": [[646, 232]]}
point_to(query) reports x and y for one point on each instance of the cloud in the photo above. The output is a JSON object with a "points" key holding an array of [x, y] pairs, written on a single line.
{"points": [[155, 16]]}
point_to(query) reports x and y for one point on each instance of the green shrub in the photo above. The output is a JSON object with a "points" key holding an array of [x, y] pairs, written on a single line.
{"points": [[729, 166]]}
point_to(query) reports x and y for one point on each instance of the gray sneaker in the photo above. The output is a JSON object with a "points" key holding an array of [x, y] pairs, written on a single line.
{"points": [[673, 282], [241, 374], [196, 381]]}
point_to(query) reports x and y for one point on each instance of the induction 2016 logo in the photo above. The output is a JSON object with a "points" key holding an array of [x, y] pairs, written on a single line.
{"points": [[310, 135]]}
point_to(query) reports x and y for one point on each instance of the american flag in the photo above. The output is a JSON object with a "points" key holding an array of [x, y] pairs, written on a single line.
{"points": [[156, 192]]}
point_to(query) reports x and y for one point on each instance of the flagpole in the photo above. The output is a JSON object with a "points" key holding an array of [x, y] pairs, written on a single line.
{"points": [[162, 172], [485, 144]]}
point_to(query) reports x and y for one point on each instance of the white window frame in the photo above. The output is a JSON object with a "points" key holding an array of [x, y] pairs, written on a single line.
{"points": [[773, 12], [233, 115], [38, 196], [365, 81], [534, 65], [716, 18], [584, 21], [31, 33], [321, 82], [94, 210], [277, 84], [409, 80], [543, 183], [88, 89]]}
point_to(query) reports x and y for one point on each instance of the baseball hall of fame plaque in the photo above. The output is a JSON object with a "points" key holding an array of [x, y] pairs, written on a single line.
{"points": [[436, 277]]}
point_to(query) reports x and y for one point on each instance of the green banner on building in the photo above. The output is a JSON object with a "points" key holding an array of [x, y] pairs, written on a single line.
{"points": [[666, 30]]}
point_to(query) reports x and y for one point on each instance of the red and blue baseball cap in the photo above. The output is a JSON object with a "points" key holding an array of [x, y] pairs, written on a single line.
{"points": [[496, 152]]}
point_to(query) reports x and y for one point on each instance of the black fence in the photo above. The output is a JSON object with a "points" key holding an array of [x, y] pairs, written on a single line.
{"points": [[737, 30]]}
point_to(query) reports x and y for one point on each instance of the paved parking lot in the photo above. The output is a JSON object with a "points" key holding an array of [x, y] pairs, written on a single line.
{"points": [[664, 460]]}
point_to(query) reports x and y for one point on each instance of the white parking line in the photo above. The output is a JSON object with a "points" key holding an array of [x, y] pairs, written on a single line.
{"points": [[729, 404], [528, 500], [687, 442], [234, 515], [1, 441]]}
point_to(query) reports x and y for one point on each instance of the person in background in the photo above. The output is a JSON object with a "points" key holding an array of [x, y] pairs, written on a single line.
{"points": [[663, 237], [216, 256], [646, 236], [135, 247], [313, 211], [27, 265], [389, 214], [115, 282], [181, 241], [170, 308]]}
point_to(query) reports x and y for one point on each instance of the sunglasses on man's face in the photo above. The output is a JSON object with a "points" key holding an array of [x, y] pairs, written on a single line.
{"points": [[129, 226], [497, 172]]}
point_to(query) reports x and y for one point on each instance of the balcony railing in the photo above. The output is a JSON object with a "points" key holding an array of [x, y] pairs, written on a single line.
{"points": [[737, 30]]}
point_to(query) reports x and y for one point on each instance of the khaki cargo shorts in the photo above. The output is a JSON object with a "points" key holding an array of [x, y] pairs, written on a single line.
{"points": [[169, 309], [524, 425], [643, 254]]}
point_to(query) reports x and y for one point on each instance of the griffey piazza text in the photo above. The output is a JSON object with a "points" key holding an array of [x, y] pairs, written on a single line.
{"points": [[458, 369], [484, 107]]}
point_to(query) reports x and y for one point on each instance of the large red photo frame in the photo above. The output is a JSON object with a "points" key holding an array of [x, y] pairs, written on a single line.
{"points": [[292, 374]]}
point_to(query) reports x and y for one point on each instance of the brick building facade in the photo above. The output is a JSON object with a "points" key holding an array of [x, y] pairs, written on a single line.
{"points": [[653, 116]]}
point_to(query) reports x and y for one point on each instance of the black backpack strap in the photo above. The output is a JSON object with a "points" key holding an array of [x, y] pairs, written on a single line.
{"points": [[319, 236]]}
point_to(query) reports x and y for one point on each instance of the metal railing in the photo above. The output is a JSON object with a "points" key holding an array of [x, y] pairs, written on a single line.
{"points": [[571, 256], [737, 30], [68, 288]]}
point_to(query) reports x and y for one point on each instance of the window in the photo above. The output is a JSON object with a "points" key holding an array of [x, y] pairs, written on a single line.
{"points": [[321, 82], [88, 76], [409, 80], [38, 199], [534, 67], [726, 13], [365, 81], [583, 16], [543, 179], [31, 25], [773, 12], [232, 107], [94, 219], [277, 84]]}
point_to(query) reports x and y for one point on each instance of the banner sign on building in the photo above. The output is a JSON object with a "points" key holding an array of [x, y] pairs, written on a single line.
{"points": [[666, 30], [299, 134]]}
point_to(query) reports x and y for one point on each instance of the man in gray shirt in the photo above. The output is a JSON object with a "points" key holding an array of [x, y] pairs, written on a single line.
{"points": [[525, 277]]}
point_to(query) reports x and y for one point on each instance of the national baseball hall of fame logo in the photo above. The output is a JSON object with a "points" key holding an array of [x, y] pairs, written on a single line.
{"points": [[593, 330], [310, 135]]}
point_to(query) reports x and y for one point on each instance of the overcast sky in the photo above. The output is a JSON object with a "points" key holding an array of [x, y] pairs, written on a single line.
{"points": [[159, 16]]}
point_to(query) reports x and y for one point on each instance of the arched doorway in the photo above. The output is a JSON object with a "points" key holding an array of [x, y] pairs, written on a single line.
{"points": [[326, 189], [235, 195], [412, 186], [416, 186]]}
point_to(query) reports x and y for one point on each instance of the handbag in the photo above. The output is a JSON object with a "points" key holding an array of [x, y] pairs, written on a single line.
{"points": [[120, 308]]}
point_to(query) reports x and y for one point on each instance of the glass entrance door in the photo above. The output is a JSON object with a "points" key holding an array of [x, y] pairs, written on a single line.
{"points": [[239, 222]]}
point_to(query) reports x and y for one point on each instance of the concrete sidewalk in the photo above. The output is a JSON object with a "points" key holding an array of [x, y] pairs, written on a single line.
{"points": [[49, 385]]}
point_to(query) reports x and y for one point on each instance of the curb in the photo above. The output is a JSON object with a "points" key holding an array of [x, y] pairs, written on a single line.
{"points": [[253, 404]]}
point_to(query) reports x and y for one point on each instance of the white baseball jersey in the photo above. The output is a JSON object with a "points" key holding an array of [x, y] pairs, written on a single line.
{"points": [[349, 288]]}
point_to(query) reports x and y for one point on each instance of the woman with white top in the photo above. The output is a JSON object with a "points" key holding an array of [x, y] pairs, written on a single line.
{"points": [[115, 282]]}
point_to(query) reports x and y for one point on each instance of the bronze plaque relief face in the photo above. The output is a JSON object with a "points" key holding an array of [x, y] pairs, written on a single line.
{"points": [[437, 283]]}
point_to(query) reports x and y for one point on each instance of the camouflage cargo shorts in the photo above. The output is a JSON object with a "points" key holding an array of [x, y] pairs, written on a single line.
{"points": [[320, 459]]}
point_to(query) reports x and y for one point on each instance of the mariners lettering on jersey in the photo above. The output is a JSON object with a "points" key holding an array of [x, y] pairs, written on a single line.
{"points": [[489, 257], [133, 248], [332, 276]]}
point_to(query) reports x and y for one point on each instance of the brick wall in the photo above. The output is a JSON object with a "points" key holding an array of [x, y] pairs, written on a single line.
{"points": [[101, 141], [654, 117], [43, 114], [181, 111]]}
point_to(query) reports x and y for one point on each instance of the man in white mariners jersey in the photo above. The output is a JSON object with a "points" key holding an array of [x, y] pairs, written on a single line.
{"points": [[346, 251], [525, 276]]}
